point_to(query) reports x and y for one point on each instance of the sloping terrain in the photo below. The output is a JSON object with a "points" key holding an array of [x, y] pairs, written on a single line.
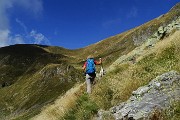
{"points": [[34, 76], [158, 53], [117, 85], [31, 78], [113, 47], [148, 101]]}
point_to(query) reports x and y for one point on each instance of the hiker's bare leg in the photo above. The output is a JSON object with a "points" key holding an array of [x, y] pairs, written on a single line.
{"points": [[88, 82]]}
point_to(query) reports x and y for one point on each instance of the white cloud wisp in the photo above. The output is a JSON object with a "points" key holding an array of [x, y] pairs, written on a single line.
{"points": [[6, 37], [39, 38]]}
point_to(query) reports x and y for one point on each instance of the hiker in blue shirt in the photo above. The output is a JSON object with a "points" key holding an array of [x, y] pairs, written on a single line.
{"points": [[90, 70]]}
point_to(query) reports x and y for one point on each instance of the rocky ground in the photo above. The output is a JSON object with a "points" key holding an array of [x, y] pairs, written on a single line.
{"points": [[162, 32], [157, 95]]}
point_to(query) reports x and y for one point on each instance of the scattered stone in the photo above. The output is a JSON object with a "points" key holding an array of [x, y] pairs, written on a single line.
{"points": [[158, 94], [161, 30], [140, 91]]}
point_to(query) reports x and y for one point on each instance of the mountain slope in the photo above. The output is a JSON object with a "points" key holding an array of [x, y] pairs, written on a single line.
{"points": [[34, 76], [114, 47], [155, 55]]}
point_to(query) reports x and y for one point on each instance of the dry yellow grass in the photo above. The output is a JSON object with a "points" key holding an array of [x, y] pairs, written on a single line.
{"points": [[118, 84], [142, 50], [61, 105], [162, 45], [115, 87]]}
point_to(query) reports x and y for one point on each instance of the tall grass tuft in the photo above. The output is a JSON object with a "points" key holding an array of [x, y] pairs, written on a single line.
{"points": [[118, 84], [84, 110]]}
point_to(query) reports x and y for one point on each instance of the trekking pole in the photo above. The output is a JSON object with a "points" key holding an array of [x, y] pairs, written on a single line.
{"points": [[101, 62], [102, 70]]}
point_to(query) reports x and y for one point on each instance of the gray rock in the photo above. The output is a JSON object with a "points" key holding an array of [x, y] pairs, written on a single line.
{"points": [[141, 115], [158, 94], [100, 114], [113, 109], [118, 116], [177, 26], [124, 111], [161, 29], [140, 91], [103, 114], [155, 35], [151, 41], [117, 108]]}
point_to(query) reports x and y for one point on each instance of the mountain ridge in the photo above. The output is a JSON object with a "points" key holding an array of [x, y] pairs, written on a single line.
{"points": [[36, 75]]}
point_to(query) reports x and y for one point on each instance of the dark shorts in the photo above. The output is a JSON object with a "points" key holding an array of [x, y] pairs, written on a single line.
{"points": [[91, 77]]}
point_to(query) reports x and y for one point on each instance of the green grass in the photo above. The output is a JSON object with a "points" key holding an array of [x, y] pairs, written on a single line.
{"points": [[113, 47], [84, 109], [117, 85], [171, 113], [28, 90]]}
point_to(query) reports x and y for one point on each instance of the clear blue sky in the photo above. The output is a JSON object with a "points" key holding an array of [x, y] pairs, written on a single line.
{"points": [[73, 23]]}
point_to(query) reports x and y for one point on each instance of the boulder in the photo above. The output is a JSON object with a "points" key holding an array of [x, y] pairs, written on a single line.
{"points": [[157, 95], [161, 30]]}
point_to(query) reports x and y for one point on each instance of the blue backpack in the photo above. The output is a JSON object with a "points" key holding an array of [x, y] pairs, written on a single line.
{"points": [[90, 66]]}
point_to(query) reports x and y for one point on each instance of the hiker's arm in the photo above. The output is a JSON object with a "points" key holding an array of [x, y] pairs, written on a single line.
{"points": [[84, 66]]}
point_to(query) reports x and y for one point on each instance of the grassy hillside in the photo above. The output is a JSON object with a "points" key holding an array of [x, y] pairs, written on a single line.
{"points": [[117, 85], [16, 59], [113, 47], [31, 78], [34, 76]]}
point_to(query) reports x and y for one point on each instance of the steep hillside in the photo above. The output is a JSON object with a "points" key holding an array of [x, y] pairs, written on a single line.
{"points": [[117, 85], [31, 77], [153, 52], [35, 76], [113, 47], [16, 59], [149, 102], [156, 54]]}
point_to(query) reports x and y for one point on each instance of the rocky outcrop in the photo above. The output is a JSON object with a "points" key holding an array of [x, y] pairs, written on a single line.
{"points": [[157, 95], [164, 30], [150, 42], [165, 25]]}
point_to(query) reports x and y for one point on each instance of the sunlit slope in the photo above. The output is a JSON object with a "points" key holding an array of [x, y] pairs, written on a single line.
{"points": [[31, 78], [113, 47], [116, 86]]}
